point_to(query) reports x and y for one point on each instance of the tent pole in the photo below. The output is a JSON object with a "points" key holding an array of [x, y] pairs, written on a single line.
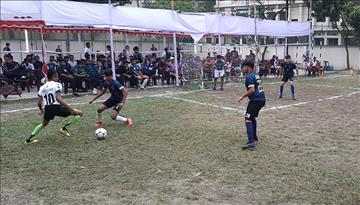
{"points": [[112, 52], [176, 60], [164, 42], [43, 47], [80, 44], [220, 49], [26, 40], [286, 46]]}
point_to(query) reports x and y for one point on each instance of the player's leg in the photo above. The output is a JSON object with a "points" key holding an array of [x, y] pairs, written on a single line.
{"points": [[260, 105], [99, 111], [36, 131], [249, 117], [73, 119], [292, 89], [115, 116], [222, 79], [215, 79], [282, 83]]}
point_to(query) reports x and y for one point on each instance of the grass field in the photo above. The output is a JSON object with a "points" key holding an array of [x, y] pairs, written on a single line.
{"points": [[185, 148]]}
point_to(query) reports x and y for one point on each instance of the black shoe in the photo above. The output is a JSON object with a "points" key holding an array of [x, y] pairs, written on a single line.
{"points": [[294, 98], [75, 94], [249, 146], [214, 88], [280, 97], [222, 89], [256, 139]]}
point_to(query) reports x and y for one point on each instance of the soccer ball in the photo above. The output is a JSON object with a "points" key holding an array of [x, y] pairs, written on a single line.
{"points": [[100, 134]]}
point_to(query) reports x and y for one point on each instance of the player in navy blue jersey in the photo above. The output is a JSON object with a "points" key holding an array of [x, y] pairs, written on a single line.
{"points": [[257, 99], [117, 100], [289, 68]]}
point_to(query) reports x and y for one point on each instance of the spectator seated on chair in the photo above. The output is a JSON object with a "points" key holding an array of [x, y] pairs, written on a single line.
{"points": [[52, 63], [136, 73], [15, 74], [172, 69], [81, 76], [123, 73], [39, 75], [66, 76], [147, 67], [96, 79], [29, 71]]}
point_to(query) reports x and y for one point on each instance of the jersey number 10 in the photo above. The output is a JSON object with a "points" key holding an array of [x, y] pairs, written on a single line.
{"points": [[50, 99]]}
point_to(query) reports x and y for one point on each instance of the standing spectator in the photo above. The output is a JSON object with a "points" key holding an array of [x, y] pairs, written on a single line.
{"points": [[81, 76], [166, 54], [59, 51], [228, 55], [279, 70], [52, 65], [87, 51], [39, 75], [153, 48], [7, 49], [108, 53], [72, 62], [29, 69], [272, 65], [138, 56], [234, 52], [172, 68], [96, 79], [136, 72], [66, 76], [219, 71], [252, 56]]}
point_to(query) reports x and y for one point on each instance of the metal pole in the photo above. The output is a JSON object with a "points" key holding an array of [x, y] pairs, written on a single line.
{"points": [[112, 43], [80, 44], [26, 40], [219, 43], [164, 42], [256, 40], [176, 60], [286, 46]]}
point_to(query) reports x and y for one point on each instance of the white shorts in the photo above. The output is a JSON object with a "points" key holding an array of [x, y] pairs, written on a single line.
{"points": [[219, 73]]}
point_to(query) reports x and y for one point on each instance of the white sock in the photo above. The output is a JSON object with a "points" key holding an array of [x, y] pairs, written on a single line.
{"points": [[145, 82], [121, 119], [99, 116]]}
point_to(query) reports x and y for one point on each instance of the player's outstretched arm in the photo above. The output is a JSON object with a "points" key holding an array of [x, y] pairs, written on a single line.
{"points": [[102, 92], [249, 92], [67, 106]]}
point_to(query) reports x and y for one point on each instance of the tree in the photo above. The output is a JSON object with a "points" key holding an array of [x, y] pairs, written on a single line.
{"points": [[183, 5], [269, 14], [354, 21], [339, 12]]}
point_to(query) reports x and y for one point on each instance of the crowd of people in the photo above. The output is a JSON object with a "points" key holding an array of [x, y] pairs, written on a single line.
{"points": [[131, 68]]}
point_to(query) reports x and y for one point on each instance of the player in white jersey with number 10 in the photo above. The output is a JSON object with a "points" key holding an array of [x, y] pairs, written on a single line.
{"points": [[50, 95]]}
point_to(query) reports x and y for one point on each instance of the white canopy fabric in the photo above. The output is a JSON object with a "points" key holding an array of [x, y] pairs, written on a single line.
{"points": [[68, 13]]}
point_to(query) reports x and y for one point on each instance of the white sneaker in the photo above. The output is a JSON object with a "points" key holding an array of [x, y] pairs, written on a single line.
{"points": [[95, 92], [142, 87]]}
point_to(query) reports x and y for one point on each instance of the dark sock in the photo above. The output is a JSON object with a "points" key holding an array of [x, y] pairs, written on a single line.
{"points": [[250, 131], [293, 90], [29, 138], [254, 125], [281, 90]]}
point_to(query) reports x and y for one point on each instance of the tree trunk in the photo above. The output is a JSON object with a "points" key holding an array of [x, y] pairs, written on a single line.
{"points": [[346, 44], [263, 53]]}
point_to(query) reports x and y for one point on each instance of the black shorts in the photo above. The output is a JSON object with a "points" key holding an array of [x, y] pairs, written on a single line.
{"points": [[253, 109], [55, 110], [285, 78], [113, 102]]}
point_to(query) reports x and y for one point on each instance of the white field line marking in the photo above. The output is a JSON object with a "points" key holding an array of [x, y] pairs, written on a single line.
{"points": [[302, 80], [265, 109], [130, 98]]}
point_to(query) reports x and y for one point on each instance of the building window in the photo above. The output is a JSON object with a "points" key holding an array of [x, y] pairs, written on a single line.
{"points": [[319, 41], [292, 39], [294, 20], [283, 16], [320, 19], [235, 40], [209, 40], [333, 41]]}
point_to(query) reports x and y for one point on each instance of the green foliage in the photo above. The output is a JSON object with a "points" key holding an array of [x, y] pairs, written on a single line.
{"points": [[354, 21], [183, 5]]}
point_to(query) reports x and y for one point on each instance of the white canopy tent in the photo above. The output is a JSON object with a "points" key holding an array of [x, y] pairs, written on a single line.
{"points": [[69, 13]]}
